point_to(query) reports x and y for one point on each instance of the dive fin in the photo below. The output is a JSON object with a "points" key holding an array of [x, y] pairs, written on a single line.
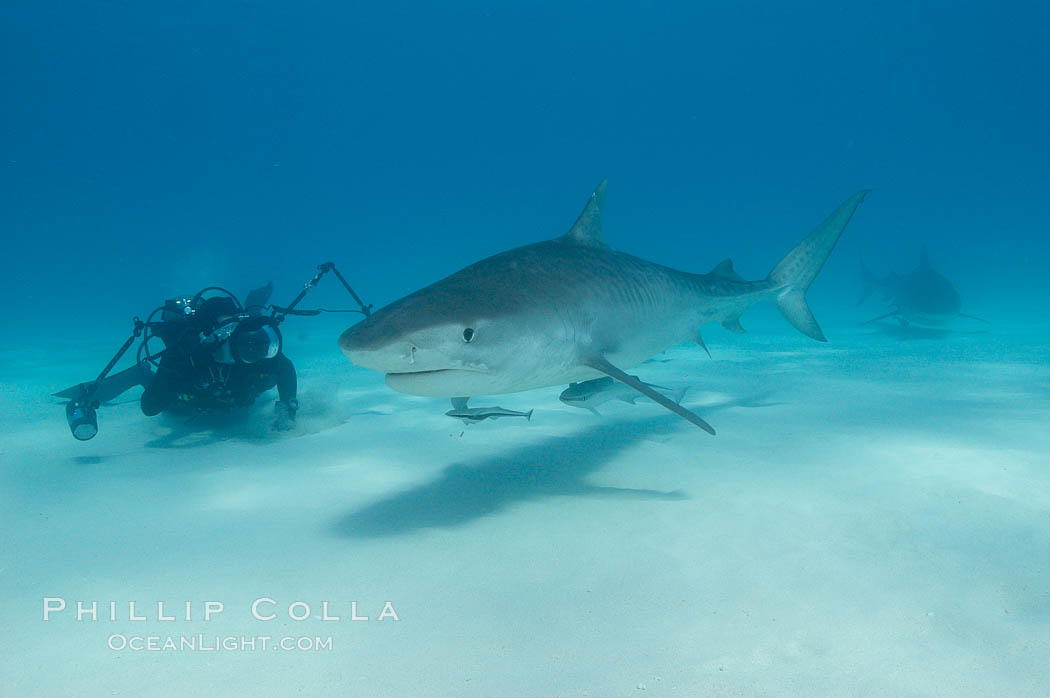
{"points": [[110, 386], [257, 299], [600, 363], [796, 271]]}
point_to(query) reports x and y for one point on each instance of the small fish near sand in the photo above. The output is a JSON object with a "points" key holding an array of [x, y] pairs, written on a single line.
{"points": [[587, 395], [472, 415]]}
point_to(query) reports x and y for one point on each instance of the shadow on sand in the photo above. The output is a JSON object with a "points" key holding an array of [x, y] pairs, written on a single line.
{"points": [[556, 466], [203, 429], [249, 425], [911, 331]]}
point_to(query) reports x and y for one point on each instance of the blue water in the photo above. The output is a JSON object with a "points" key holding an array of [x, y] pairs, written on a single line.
{"points": [[150, 150]]}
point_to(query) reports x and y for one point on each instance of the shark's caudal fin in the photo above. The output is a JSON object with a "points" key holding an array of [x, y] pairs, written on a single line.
{"points": [[600, 363], [794, 274]]}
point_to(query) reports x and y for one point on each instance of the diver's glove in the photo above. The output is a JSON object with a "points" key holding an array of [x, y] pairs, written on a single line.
{"points": [[284, 414]]}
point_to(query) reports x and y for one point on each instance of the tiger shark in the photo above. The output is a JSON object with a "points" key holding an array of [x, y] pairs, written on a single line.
{"points": [[569, 310], [923, 297]]}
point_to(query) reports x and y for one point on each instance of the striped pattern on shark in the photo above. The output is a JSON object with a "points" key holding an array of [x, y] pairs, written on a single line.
{"points": [[569, 310]]}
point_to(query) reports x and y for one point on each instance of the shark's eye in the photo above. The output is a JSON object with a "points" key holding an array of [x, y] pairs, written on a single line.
{"points": [[468, 335]]}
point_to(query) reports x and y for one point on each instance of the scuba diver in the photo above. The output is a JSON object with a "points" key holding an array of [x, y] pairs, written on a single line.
{"points": [[217, 355], [220, 356]]}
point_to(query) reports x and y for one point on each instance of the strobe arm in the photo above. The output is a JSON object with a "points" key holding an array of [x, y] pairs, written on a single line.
{"points": [[365, 309], [279, 313], [85, 400]]}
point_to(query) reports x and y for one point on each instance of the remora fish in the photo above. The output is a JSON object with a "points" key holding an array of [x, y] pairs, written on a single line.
{"points": [[589, 394], [569, 310], [469, 415]]}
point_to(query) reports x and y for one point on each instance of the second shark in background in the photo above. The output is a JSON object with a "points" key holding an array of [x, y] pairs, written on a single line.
{"points": [[923, 297]]}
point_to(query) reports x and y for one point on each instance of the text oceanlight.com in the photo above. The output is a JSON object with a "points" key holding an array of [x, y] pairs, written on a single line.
{"points": [[217, 643], [169, 614]]}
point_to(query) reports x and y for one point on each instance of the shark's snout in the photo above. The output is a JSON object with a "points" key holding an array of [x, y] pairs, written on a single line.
{"points": [[383, 356]]}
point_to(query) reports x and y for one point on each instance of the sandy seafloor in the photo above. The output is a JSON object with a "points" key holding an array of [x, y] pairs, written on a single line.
{"points": [[872, 519]]}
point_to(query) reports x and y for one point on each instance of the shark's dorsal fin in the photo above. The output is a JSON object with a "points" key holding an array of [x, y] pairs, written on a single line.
{"points": [[459, 403], [587, 230], [924, 258], [725, 270]]}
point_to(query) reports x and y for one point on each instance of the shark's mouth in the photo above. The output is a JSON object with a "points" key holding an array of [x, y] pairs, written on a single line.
{"points": [[434, 372], [443, 382]]}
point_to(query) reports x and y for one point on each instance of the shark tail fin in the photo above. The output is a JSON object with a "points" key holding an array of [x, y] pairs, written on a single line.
{"points": [[794, 274]]}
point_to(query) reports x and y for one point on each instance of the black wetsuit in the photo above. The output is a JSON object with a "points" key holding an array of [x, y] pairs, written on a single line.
{"points": [[180, 383], [189, 378]]}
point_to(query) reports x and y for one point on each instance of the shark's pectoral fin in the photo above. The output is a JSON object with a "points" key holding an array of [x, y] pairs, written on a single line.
{"points": [[600, 363], [733, 325], [595, 412], [700, 341], [881, 317]]}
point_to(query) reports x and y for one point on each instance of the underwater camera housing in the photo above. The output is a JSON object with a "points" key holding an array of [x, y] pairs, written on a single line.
{"points": [[246, 341], [201, 328]]}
